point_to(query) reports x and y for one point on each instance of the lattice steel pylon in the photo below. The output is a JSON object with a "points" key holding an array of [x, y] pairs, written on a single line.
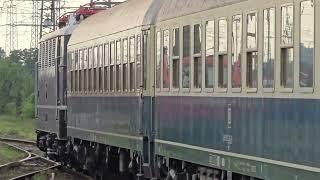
{"points": [[11, 28], [35, 21]]}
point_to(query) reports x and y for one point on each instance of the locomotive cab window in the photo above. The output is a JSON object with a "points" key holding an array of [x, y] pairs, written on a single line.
{"points": [[252, 52], [286, 56], [197, 61], [223, 54]]}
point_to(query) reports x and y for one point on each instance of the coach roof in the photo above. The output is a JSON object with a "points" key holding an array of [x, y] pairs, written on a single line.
{"points": [[176, 8], [128, 15]]}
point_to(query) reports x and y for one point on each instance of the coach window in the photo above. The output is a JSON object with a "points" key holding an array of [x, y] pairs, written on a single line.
{"points": [[76, 76], [118, 65], [306, 44], [132, 64], [100, 67], [223, 54], [80, 70], [252, 52], [175, 58], [286, 73], [125, 65], [165, 60], [236, 51], [197, 61], [138, 61], [49, 53], [209, 63], [106, 64], [90, 76], [85, 67], [112, 61], [158, 65], [95, 65], [268, 48], [72, 71], [186, 57]]}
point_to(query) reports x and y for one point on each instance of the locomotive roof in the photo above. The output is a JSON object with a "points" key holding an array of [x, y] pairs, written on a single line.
{"points": [[176, 8], [127, 15], [60, 32]]}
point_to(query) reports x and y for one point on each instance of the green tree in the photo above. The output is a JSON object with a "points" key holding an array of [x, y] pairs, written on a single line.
{"points": [[2, 53]]}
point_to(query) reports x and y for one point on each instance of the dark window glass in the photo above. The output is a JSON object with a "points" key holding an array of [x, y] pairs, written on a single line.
{"points": [[306, 44], [197, 39], [106, 80], [90, 81], [118, 78], [100, 78], [85, 80], [223, 71], [252, 69], [197, 72], [209, 64], [236, 51], [186, 58], [287, 67], [111, 78], [166, 60], [158, 65], [268, 48]]}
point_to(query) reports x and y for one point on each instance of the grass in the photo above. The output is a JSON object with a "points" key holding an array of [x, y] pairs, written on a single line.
{"points": [[15, 127], [9, 154]]}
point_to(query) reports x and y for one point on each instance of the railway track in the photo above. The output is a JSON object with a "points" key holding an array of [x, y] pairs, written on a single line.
{"points": [[33, 164]]}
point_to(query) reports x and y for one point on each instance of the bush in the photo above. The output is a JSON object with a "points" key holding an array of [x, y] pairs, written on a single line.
{"points": [[27, 109]]}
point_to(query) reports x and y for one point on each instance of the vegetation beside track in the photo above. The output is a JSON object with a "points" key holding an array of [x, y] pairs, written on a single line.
{"points": [[16, 127], [9, 154]]}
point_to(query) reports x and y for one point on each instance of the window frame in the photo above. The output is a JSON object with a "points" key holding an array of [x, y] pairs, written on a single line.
{"points": [[194, 55], [270, 90], [165, 89], [112, 63], [252, 50], [241, 52], [125, 39], [133, 62], [209, 90], [286, 46], [222, 53], [314, 83], [106, 61], [172, 58], [188, 89], [159, 88]]}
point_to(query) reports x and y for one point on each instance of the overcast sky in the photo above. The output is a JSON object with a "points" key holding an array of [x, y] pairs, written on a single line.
{"points": [[24, 10]]}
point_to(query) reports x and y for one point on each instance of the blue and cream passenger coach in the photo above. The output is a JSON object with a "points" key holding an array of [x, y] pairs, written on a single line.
{"points": [[195, 89]]}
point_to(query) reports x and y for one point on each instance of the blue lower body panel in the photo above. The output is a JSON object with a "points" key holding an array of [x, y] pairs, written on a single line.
{"points": [[278, 129]]}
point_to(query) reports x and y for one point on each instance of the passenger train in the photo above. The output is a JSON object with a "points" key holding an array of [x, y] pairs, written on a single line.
{"points": [[185, 90]]}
